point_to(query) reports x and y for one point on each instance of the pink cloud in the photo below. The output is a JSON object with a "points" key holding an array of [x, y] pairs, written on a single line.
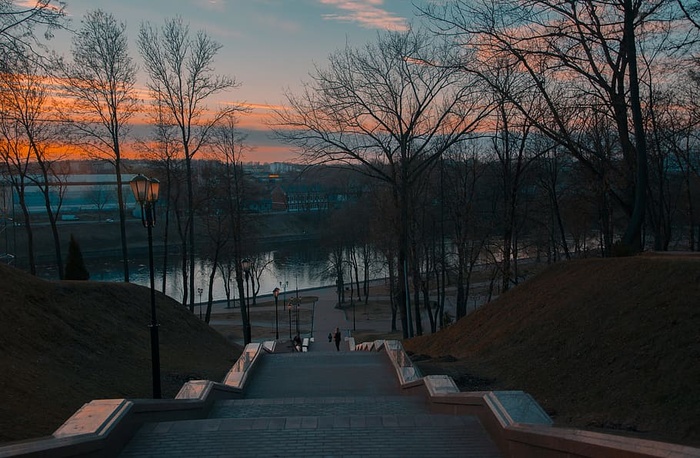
{"points": [[367, 13]]}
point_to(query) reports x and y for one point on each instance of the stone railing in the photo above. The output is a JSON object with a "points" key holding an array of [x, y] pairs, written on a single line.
{"points": [[515, 421], [103, 427]]}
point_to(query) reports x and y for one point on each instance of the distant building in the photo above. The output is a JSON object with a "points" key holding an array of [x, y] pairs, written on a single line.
{"points": [[300, 198], [75, 193]]}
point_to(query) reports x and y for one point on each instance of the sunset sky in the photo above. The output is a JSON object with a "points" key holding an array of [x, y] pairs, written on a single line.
{"points": [[268, 45]]}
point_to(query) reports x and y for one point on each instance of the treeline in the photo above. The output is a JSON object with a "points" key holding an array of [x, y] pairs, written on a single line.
{"points": [[505, 128], [549, 123], [54, 105]]}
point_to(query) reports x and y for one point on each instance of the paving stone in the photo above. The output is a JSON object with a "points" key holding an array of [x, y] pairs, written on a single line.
{"points": [[342, 405]]}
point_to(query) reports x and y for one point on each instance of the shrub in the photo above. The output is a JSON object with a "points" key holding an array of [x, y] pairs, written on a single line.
{"points": [[75, 266]]}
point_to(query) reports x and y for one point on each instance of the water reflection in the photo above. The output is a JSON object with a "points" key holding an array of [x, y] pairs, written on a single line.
{"points": [[290, 267]]}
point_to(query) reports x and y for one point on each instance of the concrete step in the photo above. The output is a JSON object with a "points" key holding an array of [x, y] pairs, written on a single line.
{"points": [[289, 375], [319, 406], [418, 435]]}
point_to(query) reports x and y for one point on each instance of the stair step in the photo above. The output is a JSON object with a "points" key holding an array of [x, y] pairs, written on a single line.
{"points": [[288, 375], [356, 435], [321, 406]]}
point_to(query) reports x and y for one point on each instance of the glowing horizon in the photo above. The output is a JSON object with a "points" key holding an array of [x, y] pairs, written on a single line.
{"points": [[269, 47]]}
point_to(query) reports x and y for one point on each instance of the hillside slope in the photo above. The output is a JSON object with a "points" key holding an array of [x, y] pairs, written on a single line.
{"points": [[600, 343], [65, 343]]}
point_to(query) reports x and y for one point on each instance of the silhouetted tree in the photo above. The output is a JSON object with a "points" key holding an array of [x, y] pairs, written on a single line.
{"points": [[75, 265], [181, 72], [18, 22], [228, 145], [388, 111], [27, 136], [100, 81], [580, 58]]}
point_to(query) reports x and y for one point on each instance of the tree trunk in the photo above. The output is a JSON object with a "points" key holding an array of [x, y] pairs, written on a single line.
{"points": [[166, 225], [30, 234], [633, 234], [122, 219], [212, 276], [190, 223]]}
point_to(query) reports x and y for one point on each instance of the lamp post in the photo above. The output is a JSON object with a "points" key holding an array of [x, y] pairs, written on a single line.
{"points": [[200, 291], [284, 296], [276, 293], [284, 301], [289, 307], [146, 194], [245, 264], [297, 317], [353, 313]]}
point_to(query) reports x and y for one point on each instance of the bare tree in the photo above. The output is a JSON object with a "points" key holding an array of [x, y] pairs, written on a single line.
{"points": [[550, 174], [572, 52], [29, 135], [15, 161], [388, 111], [100, 197], [180, 68], [228, 147], [463, 171], [100, 80], [682, 141], [691, 10], [512, 146], [17, 28], [216, 222], [49, 182], [162, 149]]}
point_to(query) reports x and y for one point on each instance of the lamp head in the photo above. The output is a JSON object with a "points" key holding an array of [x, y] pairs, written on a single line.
{"points": [[153, 190], [145, 189], [139, 186]]}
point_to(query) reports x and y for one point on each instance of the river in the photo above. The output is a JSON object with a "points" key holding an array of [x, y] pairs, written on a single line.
{"points": [[296, 266]]}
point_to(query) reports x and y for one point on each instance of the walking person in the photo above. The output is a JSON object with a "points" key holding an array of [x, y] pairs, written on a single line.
{"points": [[337, 338]]}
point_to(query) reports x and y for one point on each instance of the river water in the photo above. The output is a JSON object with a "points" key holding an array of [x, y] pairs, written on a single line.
{"points": [[292, 267]]}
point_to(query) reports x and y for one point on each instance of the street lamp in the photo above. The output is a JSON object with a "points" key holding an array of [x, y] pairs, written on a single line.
{"points": [[353, 313], [276, 293], [297, 315], [284, 301], [146, 194], [200, 291], [245, 264], [289, 307]]}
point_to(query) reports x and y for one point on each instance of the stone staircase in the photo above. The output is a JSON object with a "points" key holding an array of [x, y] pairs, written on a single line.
{"points": [[319, 404], [370, 401]]}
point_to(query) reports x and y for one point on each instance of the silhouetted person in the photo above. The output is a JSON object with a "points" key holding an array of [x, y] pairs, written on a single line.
{"points": [[297, 342], [337, 338]]}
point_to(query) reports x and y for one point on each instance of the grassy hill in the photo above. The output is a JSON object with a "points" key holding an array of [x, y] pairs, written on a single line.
{"points": [[601, 344], [65, 343]]}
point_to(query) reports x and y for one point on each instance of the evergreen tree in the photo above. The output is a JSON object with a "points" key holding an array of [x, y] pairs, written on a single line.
{"points": [[75, 266]]}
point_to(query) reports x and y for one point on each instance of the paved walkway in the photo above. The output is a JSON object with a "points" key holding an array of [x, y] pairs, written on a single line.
{"points": [[328, 404], [326, 318]]}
